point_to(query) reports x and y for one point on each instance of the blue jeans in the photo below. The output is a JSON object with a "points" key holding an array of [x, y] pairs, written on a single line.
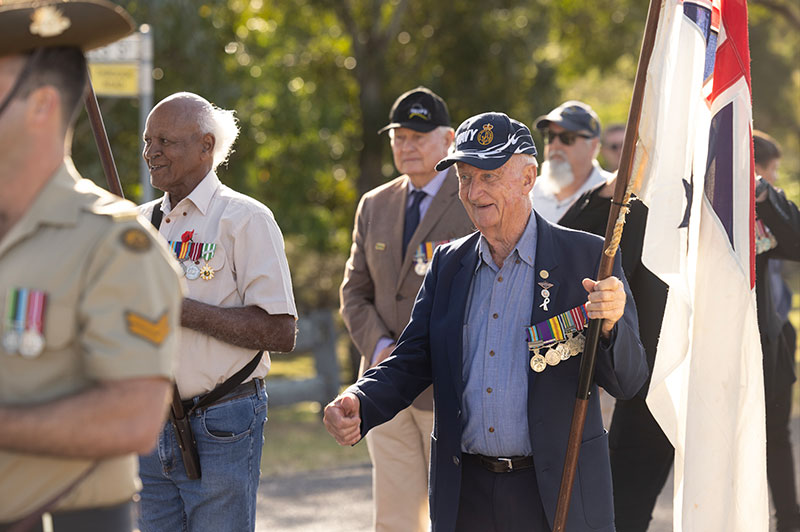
{"points": [[229, 437]]}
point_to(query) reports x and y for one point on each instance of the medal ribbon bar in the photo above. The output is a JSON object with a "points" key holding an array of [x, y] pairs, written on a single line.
{"points": [[557, 328], [208, 251]]}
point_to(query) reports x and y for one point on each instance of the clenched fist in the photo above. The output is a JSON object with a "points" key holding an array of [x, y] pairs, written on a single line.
{"points": [[343, 419]]}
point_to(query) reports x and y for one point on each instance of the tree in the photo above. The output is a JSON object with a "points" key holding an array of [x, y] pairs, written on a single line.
{"points": [[313, 80]]}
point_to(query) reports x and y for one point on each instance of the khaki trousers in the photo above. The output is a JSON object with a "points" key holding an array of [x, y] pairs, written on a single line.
{"points": [[400, 450]]}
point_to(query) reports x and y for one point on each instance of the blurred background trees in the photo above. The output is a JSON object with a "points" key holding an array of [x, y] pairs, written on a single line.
{"points": [[313, 80]]}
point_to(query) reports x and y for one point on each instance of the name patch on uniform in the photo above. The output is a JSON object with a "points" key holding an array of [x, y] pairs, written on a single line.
{"points": [[153, 331], [135, 240]]}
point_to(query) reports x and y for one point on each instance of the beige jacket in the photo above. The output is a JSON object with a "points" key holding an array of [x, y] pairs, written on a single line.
{"points": [[380, 286]]}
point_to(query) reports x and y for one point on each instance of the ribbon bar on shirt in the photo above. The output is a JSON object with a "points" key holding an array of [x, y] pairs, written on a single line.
{"points": [[557, 328]]}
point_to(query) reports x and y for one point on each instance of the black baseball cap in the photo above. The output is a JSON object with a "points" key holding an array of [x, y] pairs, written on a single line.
{"points": [[26, 25], [572, 116], [419, 109], [488, 140]]}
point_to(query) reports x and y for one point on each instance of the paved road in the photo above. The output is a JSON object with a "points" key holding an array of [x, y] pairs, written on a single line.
{"points": [[340, 500]]}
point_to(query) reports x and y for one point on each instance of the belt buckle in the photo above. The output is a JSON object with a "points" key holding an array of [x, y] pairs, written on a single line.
{"points": [[508, 462]]}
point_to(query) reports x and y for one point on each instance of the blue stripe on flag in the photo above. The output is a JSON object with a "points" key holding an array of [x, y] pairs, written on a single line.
{"points": [[701, 17], [719, 168]]}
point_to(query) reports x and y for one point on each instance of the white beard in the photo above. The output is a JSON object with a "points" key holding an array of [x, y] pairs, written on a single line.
{"points": [[556, 175]]}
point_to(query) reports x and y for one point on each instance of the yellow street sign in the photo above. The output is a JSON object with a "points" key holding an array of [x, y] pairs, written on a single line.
{"points": [[115, 79]]}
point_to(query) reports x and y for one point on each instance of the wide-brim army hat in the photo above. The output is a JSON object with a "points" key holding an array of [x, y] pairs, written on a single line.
{"points": [[86, 24]]}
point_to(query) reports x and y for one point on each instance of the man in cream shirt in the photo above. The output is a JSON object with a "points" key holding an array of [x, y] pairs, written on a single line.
{"points": [[239, 303]]}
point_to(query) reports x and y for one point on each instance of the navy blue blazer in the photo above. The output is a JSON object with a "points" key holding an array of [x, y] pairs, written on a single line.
{"points": [[429, 351]]}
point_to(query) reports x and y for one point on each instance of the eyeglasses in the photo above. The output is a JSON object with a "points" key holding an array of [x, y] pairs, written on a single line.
{"points": [[567, 138]]}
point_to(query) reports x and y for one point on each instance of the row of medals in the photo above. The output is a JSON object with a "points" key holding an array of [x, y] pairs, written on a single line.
{"points": [[555, 354], [28, 343], [193, 271]]}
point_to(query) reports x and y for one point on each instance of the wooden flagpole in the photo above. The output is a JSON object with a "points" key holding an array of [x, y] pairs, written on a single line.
{"points": [[616, 221], [101, 140]]}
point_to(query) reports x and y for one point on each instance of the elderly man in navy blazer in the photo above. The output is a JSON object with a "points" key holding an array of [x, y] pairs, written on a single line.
{"points": [[498, 328]]}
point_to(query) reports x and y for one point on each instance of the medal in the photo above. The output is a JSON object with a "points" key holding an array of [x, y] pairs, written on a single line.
{"points": [[11, 336], [538, 363], [11, 342], [575, 344], [206, 272], [552, 357], [31, 344], [545, 290], [424, 254], [192, 271]]}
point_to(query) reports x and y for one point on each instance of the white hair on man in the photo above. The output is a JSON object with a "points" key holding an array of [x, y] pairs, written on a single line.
{"points": [[221, 123]]}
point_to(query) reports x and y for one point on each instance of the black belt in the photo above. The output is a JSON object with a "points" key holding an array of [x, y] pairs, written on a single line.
{"points": [[243, 390], [499, 464]]}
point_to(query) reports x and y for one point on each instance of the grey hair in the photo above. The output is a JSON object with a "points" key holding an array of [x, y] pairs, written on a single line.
{"points": [[222, 124]]}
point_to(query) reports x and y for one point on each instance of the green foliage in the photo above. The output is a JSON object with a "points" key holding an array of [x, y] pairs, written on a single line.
{"points": [[313, 80]]}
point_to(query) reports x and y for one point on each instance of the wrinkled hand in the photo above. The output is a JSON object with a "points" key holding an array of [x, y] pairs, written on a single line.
{"points": [[383, 354], [343, 419], [606, 302]]}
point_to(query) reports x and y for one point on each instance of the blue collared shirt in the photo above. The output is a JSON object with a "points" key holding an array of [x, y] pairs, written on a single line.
{"points": [[495, 355]]}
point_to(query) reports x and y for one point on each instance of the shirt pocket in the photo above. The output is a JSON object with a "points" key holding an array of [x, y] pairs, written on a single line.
{"points": [[59, 326]]}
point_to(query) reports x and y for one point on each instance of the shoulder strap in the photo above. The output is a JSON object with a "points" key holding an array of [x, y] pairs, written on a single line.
{"points": [[230, 383], [155, 218]]}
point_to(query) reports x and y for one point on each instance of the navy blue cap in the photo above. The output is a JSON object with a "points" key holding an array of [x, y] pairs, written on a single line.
{"points": [[419, 109], [572, 116], [488, 140]]}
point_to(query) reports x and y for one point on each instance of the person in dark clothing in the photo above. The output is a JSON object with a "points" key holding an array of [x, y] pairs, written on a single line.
{"points": [[641, 455], [777, 237]]}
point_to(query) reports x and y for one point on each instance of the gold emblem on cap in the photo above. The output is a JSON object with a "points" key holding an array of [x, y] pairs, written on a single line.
{"points": [[48, 21], [544, 274], [486, 136]]}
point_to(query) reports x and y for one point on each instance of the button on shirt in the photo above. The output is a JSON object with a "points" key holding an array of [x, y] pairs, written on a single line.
{"points": [[250, 269], [495, 365], [551, 208]]}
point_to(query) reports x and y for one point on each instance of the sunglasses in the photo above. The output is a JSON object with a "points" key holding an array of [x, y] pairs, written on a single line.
{"points": [[567, 138]]}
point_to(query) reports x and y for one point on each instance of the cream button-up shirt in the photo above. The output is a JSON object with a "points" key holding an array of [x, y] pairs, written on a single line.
{"points": [[249, 269]]}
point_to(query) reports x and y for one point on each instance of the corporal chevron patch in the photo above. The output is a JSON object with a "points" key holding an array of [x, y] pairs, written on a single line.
{"points": [[153, 331]]}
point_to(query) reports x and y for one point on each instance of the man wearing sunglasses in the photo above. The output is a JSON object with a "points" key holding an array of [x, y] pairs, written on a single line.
{"points": [[571, 132]]}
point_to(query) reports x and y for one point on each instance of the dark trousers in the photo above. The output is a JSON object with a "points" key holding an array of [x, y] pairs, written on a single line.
{"points": [[780, 462], [499, 502], [641, 457], [118, 518]]}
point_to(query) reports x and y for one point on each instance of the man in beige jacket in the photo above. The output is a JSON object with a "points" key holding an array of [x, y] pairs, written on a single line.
{"points": [[397, 227]]}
